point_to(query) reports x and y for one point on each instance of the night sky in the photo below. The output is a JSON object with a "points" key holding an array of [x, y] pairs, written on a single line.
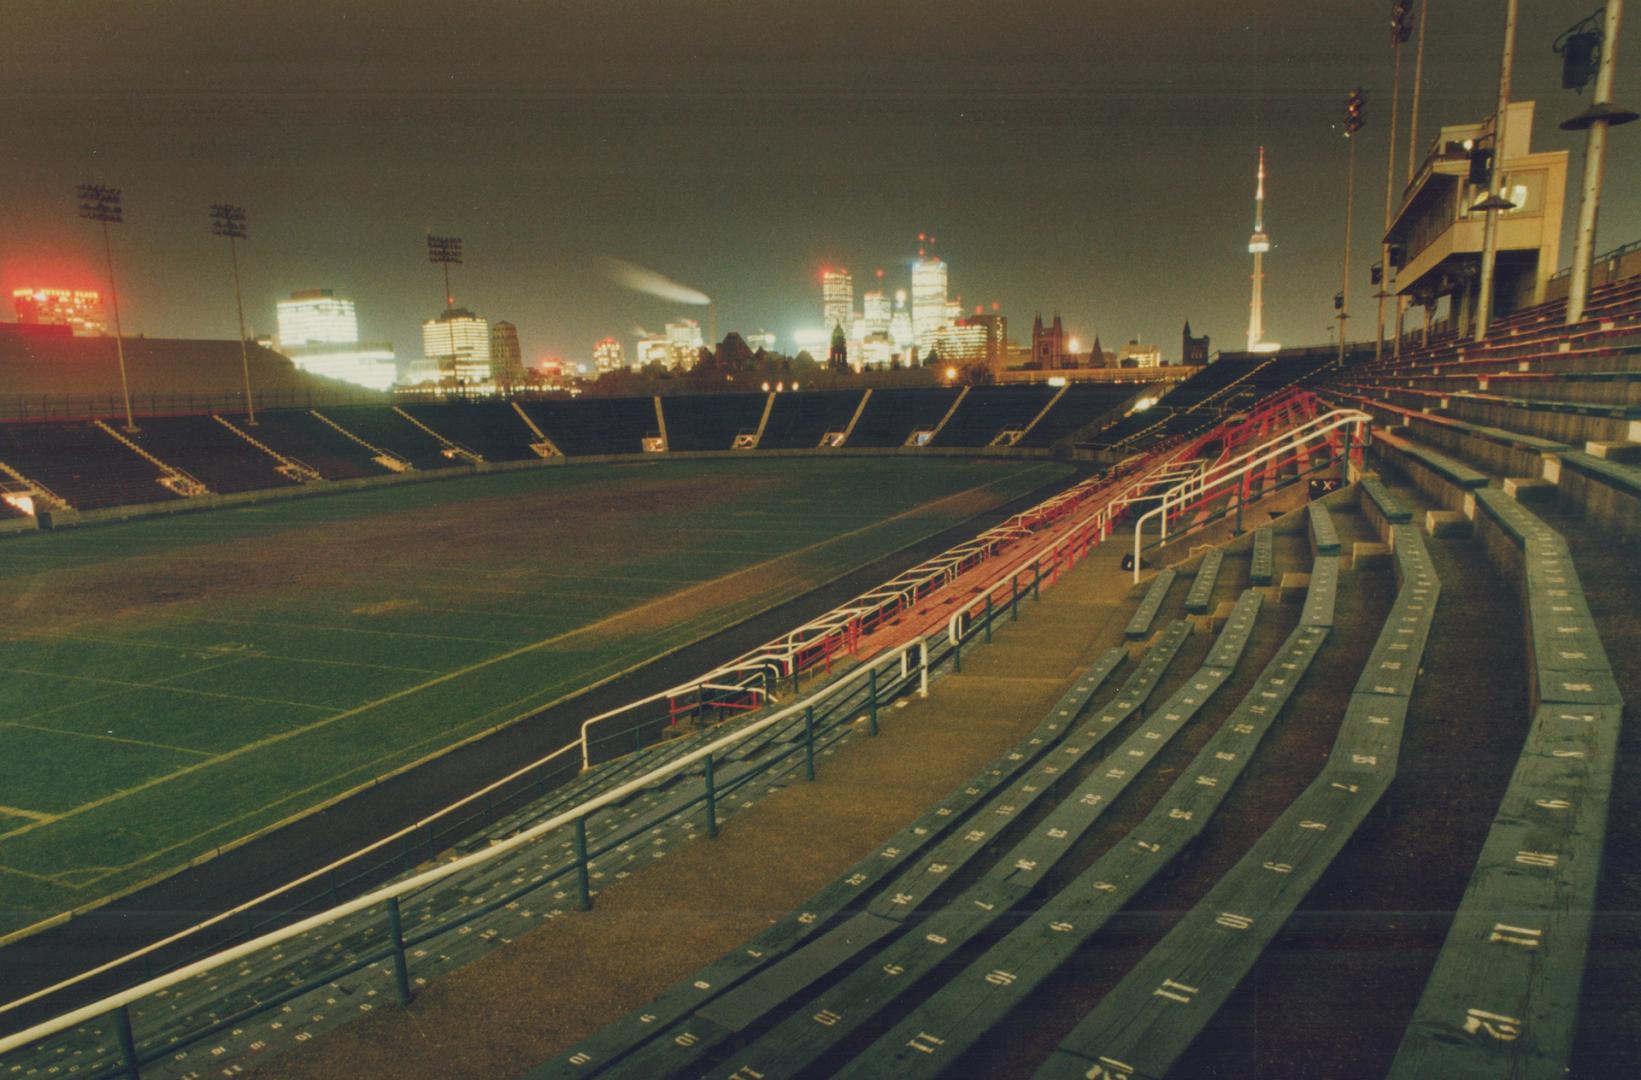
{"points": [[1090, 157]]}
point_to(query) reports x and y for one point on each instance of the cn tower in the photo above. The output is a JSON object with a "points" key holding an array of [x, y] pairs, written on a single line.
{"points": [[1259, 244]]}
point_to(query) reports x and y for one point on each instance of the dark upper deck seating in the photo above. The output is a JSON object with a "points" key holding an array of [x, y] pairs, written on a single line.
{"points": [[596, 425], [491, 429], [82, 464], [215, 456], [988, 411], [385, 429], [303, 437], [892, 415], [800, 419], [710, 421]]}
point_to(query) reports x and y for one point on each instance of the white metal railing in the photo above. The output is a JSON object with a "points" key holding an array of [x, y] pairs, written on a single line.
{"points": [[1093, 529], [496, 850], [1243, 464]]}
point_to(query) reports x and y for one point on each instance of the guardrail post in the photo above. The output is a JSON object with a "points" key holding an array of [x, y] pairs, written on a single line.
{"points": [[712, 801], [584, 885], [128, 1042], [923, 663], [1014, 598], [396, 932], [871, 711], [957, 653], [809, 742], [988, 618], [1037, 579], [1344, 471], [1236, 529]]}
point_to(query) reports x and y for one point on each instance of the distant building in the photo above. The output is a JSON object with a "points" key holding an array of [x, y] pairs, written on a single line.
{"points": [[761, 339], [460, 341], [81, 310], [607, 356], [506, 357], [877, 312], [652, 349], [1193, 350], [928, 300], [1136, 355], [319, 331], [837, 299], [684, 342], [1048, 344], [975, 339]]}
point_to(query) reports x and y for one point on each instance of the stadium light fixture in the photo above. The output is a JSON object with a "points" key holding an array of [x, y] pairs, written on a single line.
{"points": [[102, 205], [1355, 120], [1490, 234], [229, 221]]}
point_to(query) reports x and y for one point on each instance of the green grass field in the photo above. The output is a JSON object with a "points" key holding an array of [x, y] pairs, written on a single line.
{"points": [[173, 685]]}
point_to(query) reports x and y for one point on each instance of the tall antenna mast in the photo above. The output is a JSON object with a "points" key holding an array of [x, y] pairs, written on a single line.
{"points": [[1258, 244]]}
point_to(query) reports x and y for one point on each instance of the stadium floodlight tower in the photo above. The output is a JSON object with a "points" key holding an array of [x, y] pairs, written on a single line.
{"points": [[102, 204], [1401, 29], [1258, 245], [446, 251], [1355, 117], [1495, 202], [1590, 51], [228, 220]]}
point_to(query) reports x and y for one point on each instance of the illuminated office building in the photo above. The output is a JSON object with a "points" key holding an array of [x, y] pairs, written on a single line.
{"points": [[837, 299], [900, 324], [685, 341], [81, 310], [607, 356], [319, 331], [460, 341], [652, 349], [928, 300], [317, 317], [876, 312], [760, 339]]}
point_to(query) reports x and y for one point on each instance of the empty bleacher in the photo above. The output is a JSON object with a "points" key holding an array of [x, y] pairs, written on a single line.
{"points": [[989, 411], [711, 421], [596, 425], [82, 464], [492, 429], [382, 426], [299, 434], [1083, 405], [209, 451], [891, 416], [800, 419]]}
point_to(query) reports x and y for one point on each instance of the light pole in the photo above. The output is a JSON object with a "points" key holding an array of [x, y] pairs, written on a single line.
{"points": [[1355, 106], [102, 204], [1495, 201], [1577, 46], [1401, 28], [229, 221], [445, 251]]}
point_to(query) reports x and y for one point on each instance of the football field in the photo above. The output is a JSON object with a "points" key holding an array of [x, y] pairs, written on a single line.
{"points": [[173, 685]]}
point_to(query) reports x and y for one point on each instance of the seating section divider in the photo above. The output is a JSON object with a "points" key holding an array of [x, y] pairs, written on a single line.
{"points": [[1503, 997], [1147, 1022], [1140, 625], [1202, 586]]}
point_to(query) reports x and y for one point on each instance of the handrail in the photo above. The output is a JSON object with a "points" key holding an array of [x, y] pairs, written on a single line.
{"points": [[395, 890], [1266, 452]]}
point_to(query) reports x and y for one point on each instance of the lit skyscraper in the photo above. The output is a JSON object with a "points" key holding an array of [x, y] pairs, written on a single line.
{"points": [[317, 317], [460, 341], [81, 310], [319, 331], [607, 356], [900, 323], [837, 299], [928, 300], [877, 312]]}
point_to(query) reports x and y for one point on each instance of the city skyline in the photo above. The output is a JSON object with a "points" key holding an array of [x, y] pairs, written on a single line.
{"points": [[1112, 187]]}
